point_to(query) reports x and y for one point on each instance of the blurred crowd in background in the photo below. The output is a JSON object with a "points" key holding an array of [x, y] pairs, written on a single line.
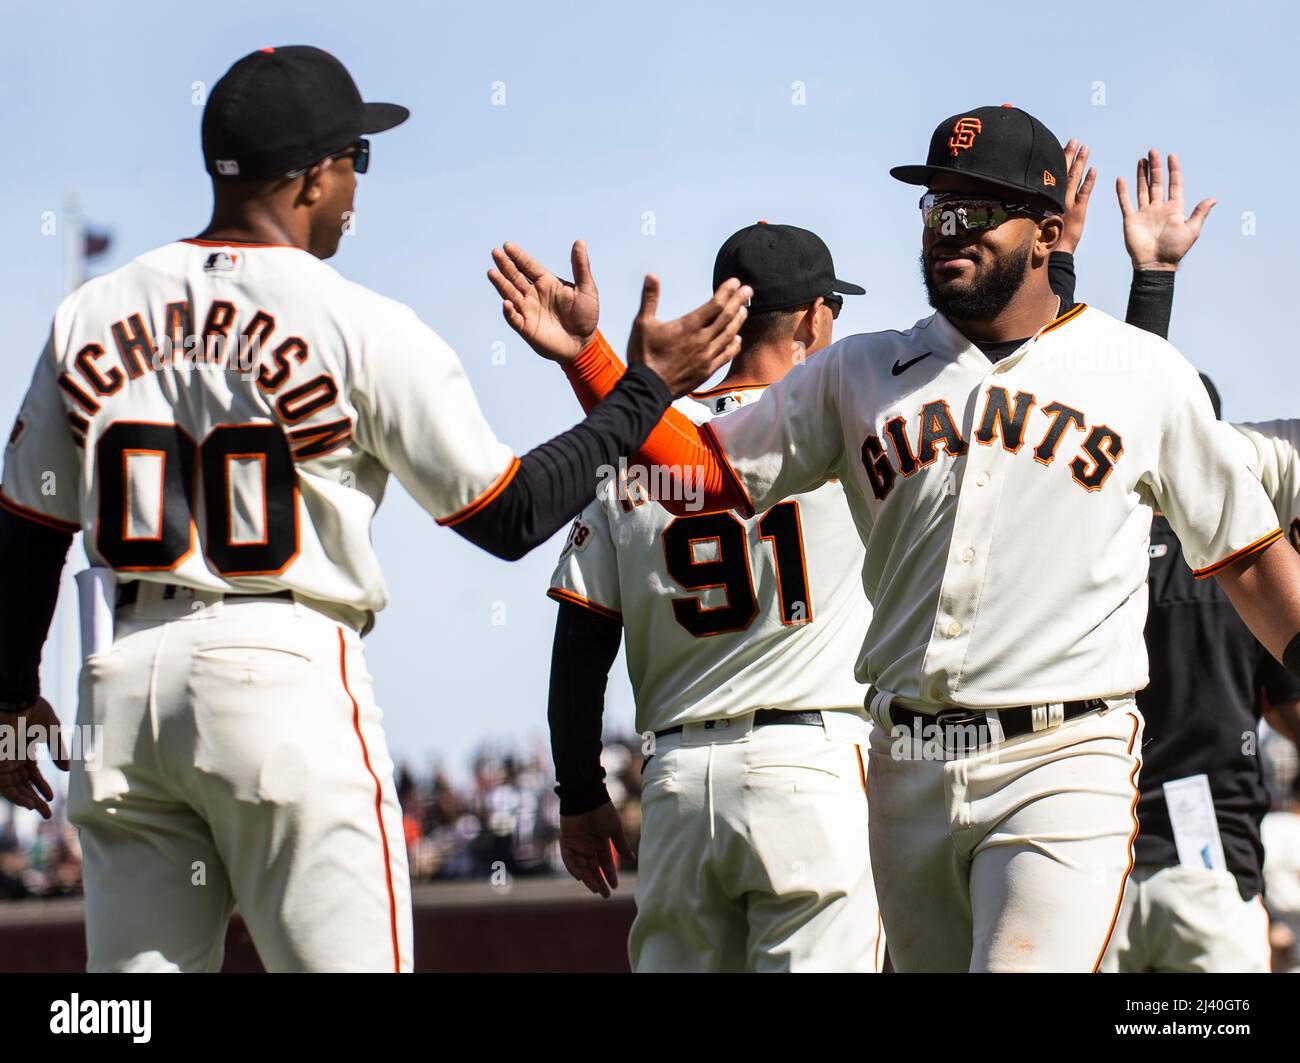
{"points": [[506, 821]]}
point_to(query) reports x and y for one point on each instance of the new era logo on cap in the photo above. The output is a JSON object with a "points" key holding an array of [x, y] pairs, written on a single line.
{"points": [[227, 167]]}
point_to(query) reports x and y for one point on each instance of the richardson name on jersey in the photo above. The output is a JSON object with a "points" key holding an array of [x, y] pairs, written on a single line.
{"points": [[1003, 417], [275, 356]]}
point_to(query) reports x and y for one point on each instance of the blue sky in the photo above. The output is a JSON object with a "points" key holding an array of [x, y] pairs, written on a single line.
{"points": [[685, 113]]}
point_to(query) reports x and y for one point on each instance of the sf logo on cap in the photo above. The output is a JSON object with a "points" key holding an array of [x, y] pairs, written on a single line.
{"points": [[963, 134]]}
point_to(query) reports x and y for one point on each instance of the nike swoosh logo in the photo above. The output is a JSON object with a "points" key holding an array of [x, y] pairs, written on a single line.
{"points": [[903, 367]]}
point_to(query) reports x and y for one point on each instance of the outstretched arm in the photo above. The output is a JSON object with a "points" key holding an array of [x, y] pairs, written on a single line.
{"points": [[1157, 236], [1080, 179], [559, 321]]}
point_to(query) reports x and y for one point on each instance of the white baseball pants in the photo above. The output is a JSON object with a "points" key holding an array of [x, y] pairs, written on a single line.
{"points": [[1188, 919], [754, 851], [242, 761], [1013, 859]]}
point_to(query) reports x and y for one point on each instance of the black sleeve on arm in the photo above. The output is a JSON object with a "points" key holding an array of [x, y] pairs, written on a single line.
{"points": [[1277, 683], [1151, 300], [556, 480], [31, 561], [1060, 275], [586, 645]]}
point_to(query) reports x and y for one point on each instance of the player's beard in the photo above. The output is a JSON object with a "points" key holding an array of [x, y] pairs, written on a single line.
{"points": [[988, 294]]}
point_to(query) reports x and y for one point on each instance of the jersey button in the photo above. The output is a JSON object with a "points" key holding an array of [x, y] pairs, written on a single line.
{"points": [[982, 480], [954, 629], [967, 556]]}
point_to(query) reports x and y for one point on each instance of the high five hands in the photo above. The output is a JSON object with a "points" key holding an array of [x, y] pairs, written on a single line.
{"points": [[1156, 233], [558, 318]]}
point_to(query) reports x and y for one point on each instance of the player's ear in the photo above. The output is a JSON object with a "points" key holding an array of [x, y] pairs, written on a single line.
{"points": [[313, 183], [1050, 231], [805, 328]]}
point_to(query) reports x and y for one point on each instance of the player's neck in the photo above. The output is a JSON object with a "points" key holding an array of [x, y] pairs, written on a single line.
{"points": [[764, 364], [1032, 307], [254, 222]]}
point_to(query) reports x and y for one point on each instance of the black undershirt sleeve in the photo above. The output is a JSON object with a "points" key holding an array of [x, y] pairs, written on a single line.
{"points": [[31, 562], [557, 479], [1060, 275], [1151, 300], [585, 647], [1150, 297]]}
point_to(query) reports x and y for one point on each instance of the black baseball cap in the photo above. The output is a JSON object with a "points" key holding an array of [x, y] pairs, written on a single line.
{"points": [[786, 266], [284, 109], [1001, 145]]}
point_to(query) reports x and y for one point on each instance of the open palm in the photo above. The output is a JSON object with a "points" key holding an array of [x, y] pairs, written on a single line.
{"points": [[1156, 233], [557, 318]]}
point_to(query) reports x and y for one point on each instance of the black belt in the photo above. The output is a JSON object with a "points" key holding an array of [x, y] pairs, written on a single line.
{"points": [[1016, 721], [127, 593], [763, 717]]}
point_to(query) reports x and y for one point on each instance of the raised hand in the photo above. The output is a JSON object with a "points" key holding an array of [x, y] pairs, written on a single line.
{"points": [[585, 843], [1078, 190], [21, 780], [556, 318], [687, 351], [1156, 234]]}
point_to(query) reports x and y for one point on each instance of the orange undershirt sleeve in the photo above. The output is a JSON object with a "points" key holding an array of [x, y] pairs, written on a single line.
{"points": [[675, 441]]}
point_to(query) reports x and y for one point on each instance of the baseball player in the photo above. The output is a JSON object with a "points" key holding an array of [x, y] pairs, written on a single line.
{"points": [[219, 417], [1193, 901], [1001, 459], [740, 639]]}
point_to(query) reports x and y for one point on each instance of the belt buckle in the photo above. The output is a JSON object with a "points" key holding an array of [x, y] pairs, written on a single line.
{"points": [[952, 723]]}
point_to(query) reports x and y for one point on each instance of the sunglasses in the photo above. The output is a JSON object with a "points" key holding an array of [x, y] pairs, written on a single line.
{"points": [[971, 212], [358, 150], [835, 302]]}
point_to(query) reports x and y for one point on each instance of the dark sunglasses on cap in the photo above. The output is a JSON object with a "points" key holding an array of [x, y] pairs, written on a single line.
{"points": [[972, 212], [358, 150]]}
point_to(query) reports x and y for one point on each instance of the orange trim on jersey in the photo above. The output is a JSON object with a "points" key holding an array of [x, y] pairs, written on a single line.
{"points": [[746, 507], [497, 486], [1132, 811], [36, 517], [379, 799], [862, 768], [559, 594], [1065, 318], [198, 241], [724, 389], [1245, 551], [880, 934]]}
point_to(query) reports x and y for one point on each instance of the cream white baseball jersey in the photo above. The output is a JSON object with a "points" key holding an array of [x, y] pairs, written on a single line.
{"points": [[225, 417], [709, 601], [1273, 450], [1006, 506], [222, 419]]}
